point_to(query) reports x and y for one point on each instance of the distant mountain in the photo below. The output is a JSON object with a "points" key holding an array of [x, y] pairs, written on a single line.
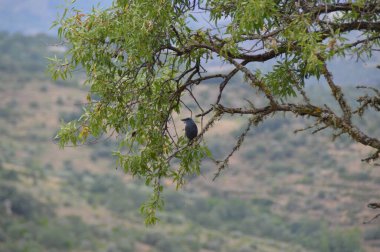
{"points": [[36, 16]]}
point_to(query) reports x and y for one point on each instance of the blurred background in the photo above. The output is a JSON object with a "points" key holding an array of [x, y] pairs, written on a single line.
{"points": [[281, 192]]}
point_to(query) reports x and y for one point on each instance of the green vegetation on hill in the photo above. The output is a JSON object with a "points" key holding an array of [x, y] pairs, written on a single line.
{"points": [[282, 192], [23, 57]]}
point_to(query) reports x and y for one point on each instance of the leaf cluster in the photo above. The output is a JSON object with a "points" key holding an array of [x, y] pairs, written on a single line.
{"points": [[144, 59]]}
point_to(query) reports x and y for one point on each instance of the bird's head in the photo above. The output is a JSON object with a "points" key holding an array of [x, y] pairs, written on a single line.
{"points": [[186, 120]]}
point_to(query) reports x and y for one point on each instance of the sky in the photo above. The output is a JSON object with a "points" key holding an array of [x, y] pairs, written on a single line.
{"points": [[36, 16]]}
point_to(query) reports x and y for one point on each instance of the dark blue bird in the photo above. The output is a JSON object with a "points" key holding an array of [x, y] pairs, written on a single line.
{"points": [[191, 129]]}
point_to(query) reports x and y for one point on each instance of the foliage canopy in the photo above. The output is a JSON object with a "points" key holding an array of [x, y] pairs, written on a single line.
{"points": [[145, 59]]}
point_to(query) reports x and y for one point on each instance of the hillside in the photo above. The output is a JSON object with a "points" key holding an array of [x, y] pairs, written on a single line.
{"points": [[281, 192]]}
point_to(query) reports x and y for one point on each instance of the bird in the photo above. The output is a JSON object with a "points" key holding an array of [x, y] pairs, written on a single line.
{"points": [[191, 129]]}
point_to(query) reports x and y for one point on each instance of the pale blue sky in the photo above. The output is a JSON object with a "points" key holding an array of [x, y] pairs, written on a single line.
{"points": [[36, 16]]}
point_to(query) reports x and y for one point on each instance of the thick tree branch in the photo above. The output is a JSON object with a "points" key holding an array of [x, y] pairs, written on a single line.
{"points": [[324, 115]]}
